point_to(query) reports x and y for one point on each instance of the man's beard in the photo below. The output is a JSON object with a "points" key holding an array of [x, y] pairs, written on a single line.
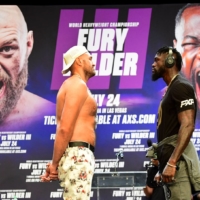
{"points": [[157, 74], [13, 91]]}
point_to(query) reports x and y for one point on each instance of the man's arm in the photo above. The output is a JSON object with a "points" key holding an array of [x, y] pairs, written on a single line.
{"points": [[148, 191], [71, 101], [186, 120]]}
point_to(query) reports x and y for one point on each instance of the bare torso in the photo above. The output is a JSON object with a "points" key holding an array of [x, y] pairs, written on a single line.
{"points": [[76, 111]]}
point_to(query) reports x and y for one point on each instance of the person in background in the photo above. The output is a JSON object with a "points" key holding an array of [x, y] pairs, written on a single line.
{"points": [[187, 33], [153, 190], [187, 42], [19, 108], [73, 158], [178, 160]]}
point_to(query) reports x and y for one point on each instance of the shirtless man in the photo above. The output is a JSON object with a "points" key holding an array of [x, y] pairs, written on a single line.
{"points": [[73, 159]]}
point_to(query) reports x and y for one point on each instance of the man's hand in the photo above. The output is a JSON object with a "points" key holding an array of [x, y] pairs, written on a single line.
{"points": [[51, 174], [168, 174], [157, 177], [148, 191]]}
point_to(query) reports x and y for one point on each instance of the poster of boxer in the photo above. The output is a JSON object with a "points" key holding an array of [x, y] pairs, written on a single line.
{"points": [[123, 41]]}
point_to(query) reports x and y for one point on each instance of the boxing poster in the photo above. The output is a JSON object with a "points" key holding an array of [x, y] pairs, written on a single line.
{"points": [[123, 41]]}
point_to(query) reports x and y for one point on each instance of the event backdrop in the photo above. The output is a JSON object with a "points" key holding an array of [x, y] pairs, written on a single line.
{"points": [[123, 41]]}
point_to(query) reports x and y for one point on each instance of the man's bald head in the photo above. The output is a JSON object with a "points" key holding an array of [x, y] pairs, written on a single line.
{"points": [[11, 16], [13, 27], [16, 44]]}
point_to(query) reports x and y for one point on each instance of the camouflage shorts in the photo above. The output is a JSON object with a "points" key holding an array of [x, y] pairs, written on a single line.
{"points": [[75, 172]]}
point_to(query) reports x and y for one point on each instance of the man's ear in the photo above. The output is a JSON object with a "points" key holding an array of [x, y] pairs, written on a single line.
{"points": [[79, 61], [30, 42]]}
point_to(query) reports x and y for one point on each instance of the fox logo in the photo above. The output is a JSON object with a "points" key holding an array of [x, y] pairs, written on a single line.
{"points": [[187, 102]]}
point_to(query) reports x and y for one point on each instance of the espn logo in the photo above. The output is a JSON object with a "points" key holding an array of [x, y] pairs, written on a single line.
{"points": [[187, 102]]}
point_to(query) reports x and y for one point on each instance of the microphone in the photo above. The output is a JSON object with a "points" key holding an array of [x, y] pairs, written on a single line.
{"points": [[149, 142], [120, 153]]}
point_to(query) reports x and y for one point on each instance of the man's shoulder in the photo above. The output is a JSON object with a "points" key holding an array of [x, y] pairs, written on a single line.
{"points": [[30, 110], [32, 102], [73, 84], [183, 80], [182, 83]]}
